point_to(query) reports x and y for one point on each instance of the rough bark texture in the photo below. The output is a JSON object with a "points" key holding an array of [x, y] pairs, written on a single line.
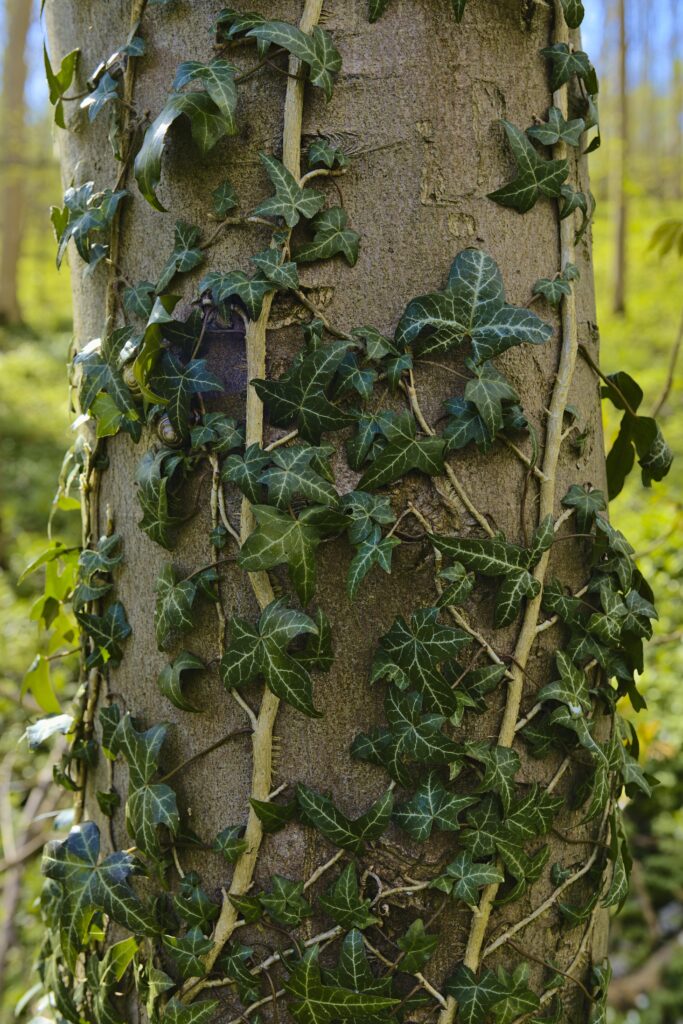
{"points": [[18, 18], [417, 105]]}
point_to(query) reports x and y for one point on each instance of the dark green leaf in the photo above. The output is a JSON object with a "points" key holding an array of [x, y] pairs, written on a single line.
{"points": [[536, 176]]}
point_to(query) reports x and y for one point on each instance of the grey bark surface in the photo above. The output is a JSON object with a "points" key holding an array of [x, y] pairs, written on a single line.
{"points": [[417, 104], [17, 20]]}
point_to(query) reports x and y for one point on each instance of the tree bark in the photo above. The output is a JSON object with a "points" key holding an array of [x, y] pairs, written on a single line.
{"points": [[17, 20], [417, 105]]}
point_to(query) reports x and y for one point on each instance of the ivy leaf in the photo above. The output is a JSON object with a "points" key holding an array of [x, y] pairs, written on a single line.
{"points": [[208, 125], [320, 812], [322, 152], [556, 129], [564, 63], [253, 654], [553, 289], [246, 472], [419, 648], [175, 600], [459, 585], [412, 736], [536, 176], [186, 953], [376, 9], [475, 996], [619, 883], [218, 79], [59, 81], [102, 374], [517, 1000], [586, 503], [472, 307], [193, 904], [331, 237], [500, 767], [431, 805], [138, 299], [570, 689], [273, 816], [157, 479], [88, 887], [487, 392], [343, 902], [370, 552], [464, 878], [284, 275], [404, 453], [313, 1002], [230, 843], [107, 632], [293, 474], [186, 254], [234, 965], [251, 291], [170, 679], [176, 1012], [497, 557], [176, 383], [286, 904], [418, 947], [573, 12], [218, 432], [316, 50], [298, 396], [280, 538], [290, 201], [224, 199]]}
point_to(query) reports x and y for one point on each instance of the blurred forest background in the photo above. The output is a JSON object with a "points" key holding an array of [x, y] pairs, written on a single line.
{"points": [[637, 178]]}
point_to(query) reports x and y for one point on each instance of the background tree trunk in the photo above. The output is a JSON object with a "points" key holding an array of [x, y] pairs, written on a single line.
{"points": [[621, 166], [417, 105], [17, 21]]}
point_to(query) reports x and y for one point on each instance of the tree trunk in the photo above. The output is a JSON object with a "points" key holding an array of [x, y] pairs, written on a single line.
{"points": [[416, 105], [621, 198], [17, 20]]}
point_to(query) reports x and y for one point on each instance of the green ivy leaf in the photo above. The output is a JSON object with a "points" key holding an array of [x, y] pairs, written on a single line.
{"points": [[218, 79], [251, 291], [107, 632], [570, 689], [464, 878], [286, 904], [157, 479], [273, 816], [573, 12], [224, 199], [376, 9], [101, 374], [88, 887], [556, 129], [186, 254], [316, 50], [176, 384], [291, 201], [370, 552], [553, 289], [411, 736], [246, 472], [500, 767], [59, 81], [344, 904], [280, 538], [331, 236], [230, 843], [487, 392], [284, 275], [472, 307], [405, 452], [173, 613], [176, 1012], [320, 812], [186, 953], [432, 806], [418, 947], [312, 1002], [296, 471], [193, 904], [208, 124], [536, 176], [322, 152], [476, 996], [518, 1000], [171, 683], [263, 654], [299, 395], [565, 62]]}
